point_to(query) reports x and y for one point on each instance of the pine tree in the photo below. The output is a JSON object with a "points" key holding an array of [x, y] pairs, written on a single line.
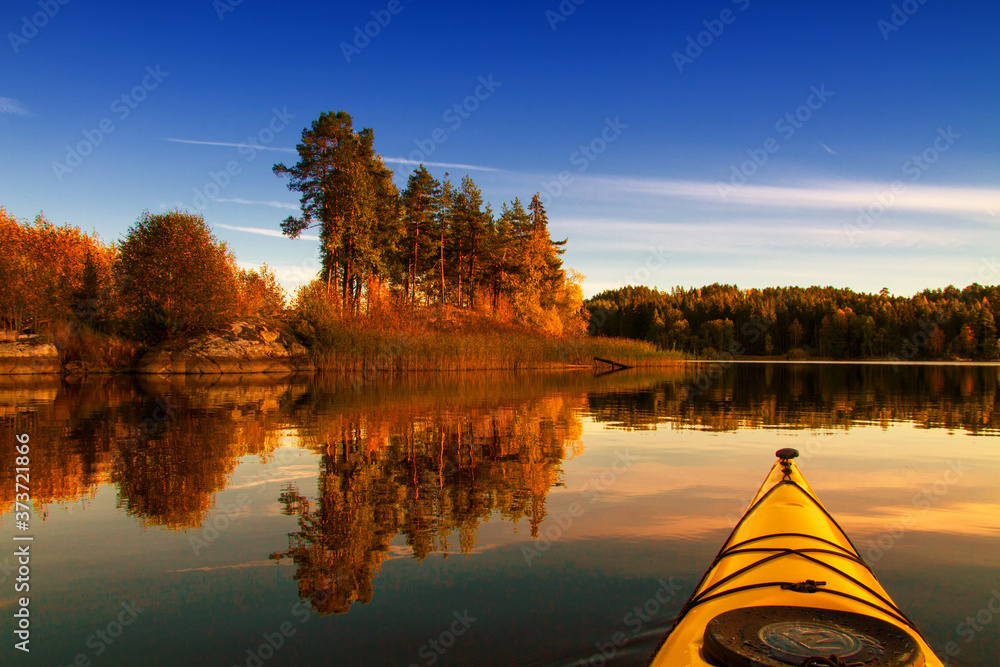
{"points": [[469, 224], [542, 256], [422, 206], [987, 331], [347, 191], [444, 232]]}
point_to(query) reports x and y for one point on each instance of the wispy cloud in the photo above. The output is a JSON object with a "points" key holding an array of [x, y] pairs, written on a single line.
{"points": [[744, 237], [10, 105], [450, 165], [259, 147], [263, 232], [827, 148], [236, 566], [825, 195], [391, 160], [253, 202]]}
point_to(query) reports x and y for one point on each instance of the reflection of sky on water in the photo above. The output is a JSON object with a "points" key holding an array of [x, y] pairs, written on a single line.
{"points": [[688, 483]]}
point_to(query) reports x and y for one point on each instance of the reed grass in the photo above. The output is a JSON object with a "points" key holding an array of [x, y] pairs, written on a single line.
{"points": [[470, 343]]}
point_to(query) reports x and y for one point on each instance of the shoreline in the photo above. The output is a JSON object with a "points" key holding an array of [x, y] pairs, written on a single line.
{"points": [[262, 347], [865, 362], [29, 367], [318, 370]]}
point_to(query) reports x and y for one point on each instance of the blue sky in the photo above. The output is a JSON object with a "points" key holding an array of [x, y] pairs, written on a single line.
{"points": [[683, 143]]}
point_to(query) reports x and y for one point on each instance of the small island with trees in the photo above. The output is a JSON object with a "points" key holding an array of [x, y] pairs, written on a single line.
{"points": [[430, 278], [427, 278]]}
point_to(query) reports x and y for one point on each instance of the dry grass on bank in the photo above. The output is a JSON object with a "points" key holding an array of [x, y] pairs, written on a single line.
{"points": [[451, 339]]}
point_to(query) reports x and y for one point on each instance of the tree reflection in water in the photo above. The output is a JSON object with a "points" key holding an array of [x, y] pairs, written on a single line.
{"points": [[425, 476], [425, 456]]}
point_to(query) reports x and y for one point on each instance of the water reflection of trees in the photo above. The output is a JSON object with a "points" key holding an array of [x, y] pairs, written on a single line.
{"points": [[425, 457], [452, 431], [425, 474], [809, 396], [106, 430]]}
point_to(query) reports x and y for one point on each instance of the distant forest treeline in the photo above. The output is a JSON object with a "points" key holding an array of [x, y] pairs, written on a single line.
{"points": [[805, 321]]}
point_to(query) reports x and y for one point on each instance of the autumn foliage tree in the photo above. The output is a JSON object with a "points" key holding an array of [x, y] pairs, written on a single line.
{"points": [[51, 273], [259, 292], [172, 275]]}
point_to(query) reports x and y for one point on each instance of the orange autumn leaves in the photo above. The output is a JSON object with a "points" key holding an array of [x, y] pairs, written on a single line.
{"points": [[168, 275], [49, 272]]}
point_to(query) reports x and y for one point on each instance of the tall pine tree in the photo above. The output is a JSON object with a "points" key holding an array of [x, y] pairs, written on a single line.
{"points": [[422, 206], [346, 191]]}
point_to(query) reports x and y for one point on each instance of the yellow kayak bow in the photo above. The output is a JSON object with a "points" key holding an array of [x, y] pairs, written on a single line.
{"points": [[789, 588]]}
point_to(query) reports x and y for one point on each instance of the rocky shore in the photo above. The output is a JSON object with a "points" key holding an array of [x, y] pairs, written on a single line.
{"points": [[247, 346], [29, 357]]}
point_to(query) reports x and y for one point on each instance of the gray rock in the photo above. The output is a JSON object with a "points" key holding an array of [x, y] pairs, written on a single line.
{"points": [[246, 347]]}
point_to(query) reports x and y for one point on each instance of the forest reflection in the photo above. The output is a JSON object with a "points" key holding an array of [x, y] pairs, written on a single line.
{"points": [[807, 396], [426, 468], [426, 457]]}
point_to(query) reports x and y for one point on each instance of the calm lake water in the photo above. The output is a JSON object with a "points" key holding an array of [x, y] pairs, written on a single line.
{"points": [[470, 519]]}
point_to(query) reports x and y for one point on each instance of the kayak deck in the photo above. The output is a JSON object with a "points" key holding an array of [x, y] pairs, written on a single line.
{"points": [[788, 552]]}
